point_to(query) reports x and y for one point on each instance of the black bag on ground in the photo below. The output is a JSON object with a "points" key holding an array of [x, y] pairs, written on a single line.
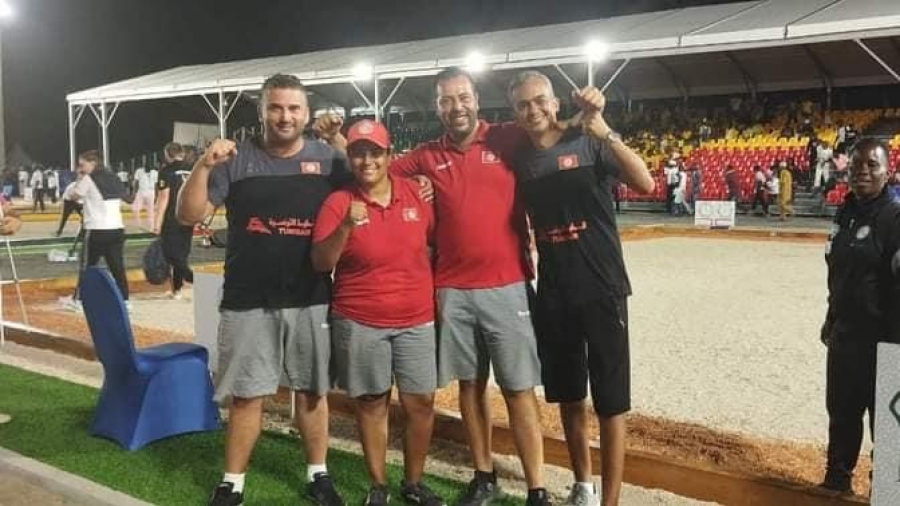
{"points": [[156, 268]]}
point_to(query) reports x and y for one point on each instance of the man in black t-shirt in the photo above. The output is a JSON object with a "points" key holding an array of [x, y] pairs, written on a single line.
{"points": [[274, 306], [581, 317], [176, 238]]}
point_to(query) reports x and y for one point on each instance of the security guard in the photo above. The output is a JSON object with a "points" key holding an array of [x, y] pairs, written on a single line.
{"points": [[863, 257]]}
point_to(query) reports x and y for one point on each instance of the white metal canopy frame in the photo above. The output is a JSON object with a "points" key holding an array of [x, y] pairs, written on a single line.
{"points": [[671, 53]]}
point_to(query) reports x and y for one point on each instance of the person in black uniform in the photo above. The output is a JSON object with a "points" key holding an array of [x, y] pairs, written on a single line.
{"points": [[581, 317], [863, 257], [176, 238]]}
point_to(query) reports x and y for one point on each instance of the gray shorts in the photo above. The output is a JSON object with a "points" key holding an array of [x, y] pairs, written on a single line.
{"points": [[259, 346], [368, 359], [484, 327]]}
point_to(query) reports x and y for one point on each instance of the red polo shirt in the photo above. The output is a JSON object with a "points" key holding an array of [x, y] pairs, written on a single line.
{"points": [[383, 278], [481, 233]]}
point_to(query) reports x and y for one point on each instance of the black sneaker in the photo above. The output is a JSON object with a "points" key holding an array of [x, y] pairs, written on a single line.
{"points": [[537, 497], [419, 493], [224, 495], [378, 496], [481, 490], [322, 492], [840, 483]]}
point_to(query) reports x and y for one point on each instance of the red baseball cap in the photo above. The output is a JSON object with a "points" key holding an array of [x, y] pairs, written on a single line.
{"points": [[368, 130]]}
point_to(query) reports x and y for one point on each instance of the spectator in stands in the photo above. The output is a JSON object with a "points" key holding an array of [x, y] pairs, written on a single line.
{"points": [[894, 184], [704, 131], [823, 166], [773, 186], [785, 191], [733, 183], [38, 188], [760, 194], [673, 177], [374, 235], [863, 258], [144, 197], [24, 178], [812, 151], [52, 181], [696, 185], [9, 183], [680, 194]]}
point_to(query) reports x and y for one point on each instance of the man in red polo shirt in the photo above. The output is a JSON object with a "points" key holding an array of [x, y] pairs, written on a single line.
{"points": [[374, 234], [481, 275]]}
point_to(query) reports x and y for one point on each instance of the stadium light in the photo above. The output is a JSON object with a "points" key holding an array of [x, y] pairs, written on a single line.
{"points": [[6, 10], [363, 72], [596, 50], [475, 62]]}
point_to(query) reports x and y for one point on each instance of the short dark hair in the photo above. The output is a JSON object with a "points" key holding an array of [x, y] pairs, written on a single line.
{"points": [[92, 156], [453, 73], [174, 150], [870, 142], [281, 81]]}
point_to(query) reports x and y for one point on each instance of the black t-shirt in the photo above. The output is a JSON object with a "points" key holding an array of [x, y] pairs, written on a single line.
{"points": [[567, 190], [272, 204], [171, 177]]}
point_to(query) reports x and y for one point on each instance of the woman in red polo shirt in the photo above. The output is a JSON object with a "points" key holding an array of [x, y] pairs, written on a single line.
{"points": [[374, 234]]}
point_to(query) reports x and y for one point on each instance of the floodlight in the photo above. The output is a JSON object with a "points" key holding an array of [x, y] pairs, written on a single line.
{"points": [[363, 72], [6, 10], [597, 50], [475, 62]]}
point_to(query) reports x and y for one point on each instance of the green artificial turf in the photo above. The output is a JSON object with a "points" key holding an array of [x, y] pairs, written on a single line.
{"points": [[50, 420]]}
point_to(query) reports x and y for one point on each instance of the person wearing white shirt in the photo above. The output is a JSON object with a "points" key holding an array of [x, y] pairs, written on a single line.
{"points": [[102, 193], [144, 197], [824, 154], [37, 189]]}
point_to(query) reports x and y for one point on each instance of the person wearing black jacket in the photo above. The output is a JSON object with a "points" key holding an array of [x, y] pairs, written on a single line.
{"points": [[863, 257], [176, 238]]}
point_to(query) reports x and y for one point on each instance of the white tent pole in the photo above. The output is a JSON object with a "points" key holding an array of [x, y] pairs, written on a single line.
{"points": [[104, 128], [221, 114], [377, 99], [590, 71], [361, 94], [878, 59], [72, 148], [615, 74], [394, 91], [566, 77]]}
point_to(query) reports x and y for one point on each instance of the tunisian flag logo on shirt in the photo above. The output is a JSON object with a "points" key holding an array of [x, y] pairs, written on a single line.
{"points": [[310, 168], [489, 157], [410, 214], [567, 162]]}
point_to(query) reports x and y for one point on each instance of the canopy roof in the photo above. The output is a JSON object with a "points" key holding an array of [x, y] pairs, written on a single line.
{"points": [[690, 51]]}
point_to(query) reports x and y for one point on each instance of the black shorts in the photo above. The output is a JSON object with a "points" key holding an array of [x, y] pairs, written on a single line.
{"points": [[581, 341]]}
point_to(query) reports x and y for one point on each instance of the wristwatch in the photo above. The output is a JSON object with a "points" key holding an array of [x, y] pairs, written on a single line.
{"points": [[613, 137]]}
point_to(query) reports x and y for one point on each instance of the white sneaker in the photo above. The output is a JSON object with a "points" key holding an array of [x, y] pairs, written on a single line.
{"points": [[177, 295], [581, 497], [70, 304]]}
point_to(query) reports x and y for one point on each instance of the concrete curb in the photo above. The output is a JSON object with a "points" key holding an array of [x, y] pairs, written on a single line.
{"points": [[61, 482]]}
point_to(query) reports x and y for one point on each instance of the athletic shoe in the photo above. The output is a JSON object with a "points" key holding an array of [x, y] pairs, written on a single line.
{"points": [[481, 490], [419, 493], [581, 497], [538, 497], [837, 482], [322, 492], [378, 496], [177, 295], [224, 495]]}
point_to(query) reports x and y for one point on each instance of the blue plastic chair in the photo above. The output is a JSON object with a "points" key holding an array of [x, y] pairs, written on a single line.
{"points": [[149, 393]]}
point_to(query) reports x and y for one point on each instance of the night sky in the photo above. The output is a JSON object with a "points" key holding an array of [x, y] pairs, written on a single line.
{"points": [[55, 47]]}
